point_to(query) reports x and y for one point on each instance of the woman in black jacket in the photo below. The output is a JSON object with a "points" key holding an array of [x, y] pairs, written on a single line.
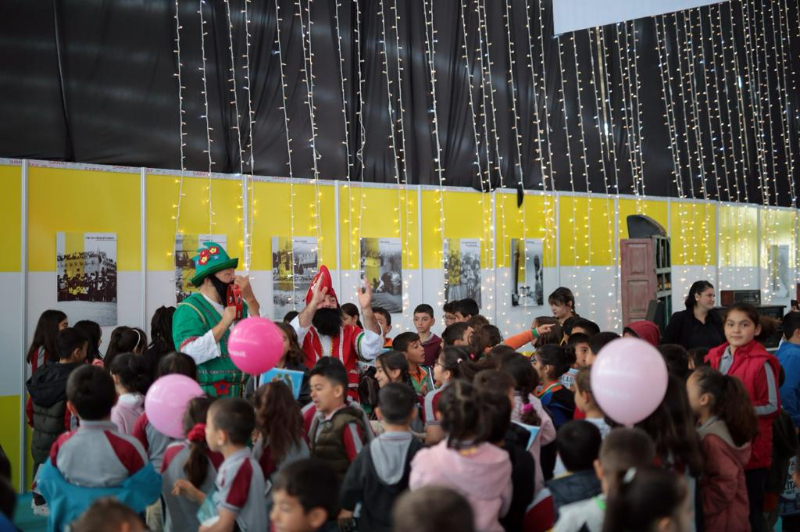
{"points": [[699, 325]]}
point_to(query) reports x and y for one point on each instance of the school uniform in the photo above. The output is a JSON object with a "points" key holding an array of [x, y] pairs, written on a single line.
{"points": [[430, 406], [181, 512], [338, 437], [240, 489], [422, 381], [126, 412], [154, 442], [432, 347]]}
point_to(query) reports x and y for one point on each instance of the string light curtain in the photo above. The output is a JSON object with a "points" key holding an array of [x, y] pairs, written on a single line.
{"points": [[106, 93]]}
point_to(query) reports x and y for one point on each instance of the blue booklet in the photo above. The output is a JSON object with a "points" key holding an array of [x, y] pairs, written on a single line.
{"points": [[530, 428], [291, 378]]}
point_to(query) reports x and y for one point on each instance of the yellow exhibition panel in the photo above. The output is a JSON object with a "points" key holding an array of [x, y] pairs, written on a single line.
{"points": [[462, 215], [10, 216], [738, 236], [778, 230], [538, 214], [693, 233], [655, 209], [586, 231]]}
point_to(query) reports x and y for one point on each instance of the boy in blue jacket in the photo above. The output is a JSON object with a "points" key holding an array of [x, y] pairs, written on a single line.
{"points": [[789, 356]]}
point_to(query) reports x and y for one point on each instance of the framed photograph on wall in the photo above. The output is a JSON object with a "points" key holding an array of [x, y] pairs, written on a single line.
{"points": [[463, 269], [86, 276], [527, 272], [382, 268], [295, 262]]}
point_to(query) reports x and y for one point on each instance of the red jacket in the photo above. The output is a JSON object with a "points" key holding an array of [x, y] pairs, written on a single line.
{"points": [[748, 367], [724, 490], [343, 347], [646, 330]]}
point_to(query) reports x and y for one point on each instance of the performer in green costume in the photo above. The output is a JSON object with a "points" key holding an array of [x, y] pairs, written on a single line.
{"points": [[201, 324]]}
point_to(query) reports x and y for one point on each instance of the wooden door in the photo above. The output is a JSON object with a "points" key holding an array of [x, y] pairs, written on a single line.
{"points": [[638, 276]]}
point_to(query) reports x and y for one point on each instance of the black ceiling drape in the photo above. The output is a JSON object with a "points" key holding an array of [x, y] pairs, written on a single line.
{"points": [[95, 81]]}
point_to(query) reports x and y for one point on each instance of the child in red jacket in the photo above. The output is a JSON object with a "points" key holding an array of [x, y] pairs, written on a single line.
{"points": [[743, 357], [727, 425]]}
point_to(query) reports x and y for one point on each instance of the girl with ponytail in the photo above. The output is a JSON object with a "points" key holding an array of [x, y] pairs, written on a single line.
{"points": [[727, 426], [189, 460], [453, 363]]}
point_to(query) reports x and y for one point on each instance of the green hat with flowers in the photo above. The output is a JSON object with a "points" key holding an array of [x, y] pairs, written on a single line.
{"points": [[211, 259]]}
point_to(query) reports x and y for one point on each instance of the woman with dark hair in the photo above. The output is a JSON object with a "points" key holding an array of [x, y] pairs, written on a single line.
{"points": [[161, 342], [43, 346], [94, 333], [699, 325]]}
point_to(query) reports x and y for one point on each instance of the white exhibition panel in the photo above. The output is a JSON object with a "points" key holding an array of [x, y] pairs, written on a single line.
{"points": [[13, 347], [573, 15]]}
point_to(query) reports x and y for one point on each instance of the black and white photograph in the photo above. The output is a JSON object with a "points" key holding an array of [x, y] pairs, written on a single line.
{"points": [[86, 266], [463, 269], [382, 268], [295, 262], [186, 247], [779, 271], [527, 270]]}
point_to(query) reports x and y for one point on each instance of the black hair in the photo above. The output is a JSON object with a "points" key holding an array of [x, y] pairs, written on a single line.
{"points": [[424, 308], [312, 482], [460, 408], [279, 419], [457, 361], [578, 338], [768, 325], [385, 313], [392, 360], [450, 306], [454, 332], [677, 359], [554, 336], [105, 514], [177, 363], [559, 357], [45, 333], [433, 509], [698, 355], [624, 448], [295, 354], [578, 444], [93, 333], [331, 369], [488, 336], [351, 310], [397, 401], [500, 350], [133, 372], [526, 380], [91, 391], [568, 324], [791, 322], [125, 340], [589, 326], [698, 287], [494, 381], [731, 403], [562, 296], [638, 503], [235, 417], [68, 341], [496, 410], [404, 340], [292, 314], [196, 466], [600, 340], [467, 307], [161, 341], [477, 322]]}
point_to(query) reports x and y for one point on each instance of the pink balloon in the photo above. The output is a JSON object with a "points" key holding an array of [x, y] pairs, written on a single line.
{"points": [[255, 345], [629, 380], [166, 402]]}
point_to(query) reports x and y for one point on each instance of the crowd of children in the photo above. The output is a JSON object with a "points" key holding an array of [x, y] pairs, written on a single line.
{"points": [[460, 432]]}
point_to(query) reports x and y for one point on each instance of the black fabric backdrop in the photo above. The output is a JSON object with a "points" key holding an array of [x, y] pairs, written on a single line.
{"points": [[95, 81]]}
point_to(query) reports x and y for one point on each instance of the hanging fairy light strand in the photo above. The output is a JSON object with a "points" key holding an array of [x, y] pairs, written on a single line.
{"points": [[251, 207], [744, 138], [209, 129], [362, 142], [181, 118]]}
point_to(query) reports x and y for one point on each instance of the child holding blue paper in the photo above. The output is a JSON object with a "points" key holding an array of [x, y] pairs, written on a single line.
{"points": [[291, 369]]}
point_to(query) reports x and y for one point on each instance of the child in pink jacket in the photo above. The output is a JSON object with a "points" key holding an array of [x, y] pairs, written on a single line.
{"points": [[131, 375], [464, 461]]}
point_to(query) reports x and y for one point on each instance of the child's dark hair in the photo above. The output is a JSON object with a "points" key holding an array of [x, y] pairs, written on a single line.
{"points": [[177, 363], [500, 350], [791, 322], [294, 355], [467, 307], [460, 408], [331, 369], [643, 497], [235, 417], [698, 355], [697, 288], [93, 333], [486, 337], [559, 357], [312, 482], [292, 314], [414, 512], [496, 411], [105, 514], [624, 448], [494, 381], [424, 308], [45, 334], [477, 322], [768, 325], [568, 324], [351, 310], [404, 340], [554, 336], [562, 296], [196, 466], [133, 372], [672, 427], [730, 402], [578, 338], [450, 307], [397, 402], [677, 359], [589, 326], [525, 382], [394, 360], [458, 362], [161, 330], [125, 340], [385, 313], [278, 418], [91, 391], [600, 340], [454, 332], [578, 444], [68, 341]]}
